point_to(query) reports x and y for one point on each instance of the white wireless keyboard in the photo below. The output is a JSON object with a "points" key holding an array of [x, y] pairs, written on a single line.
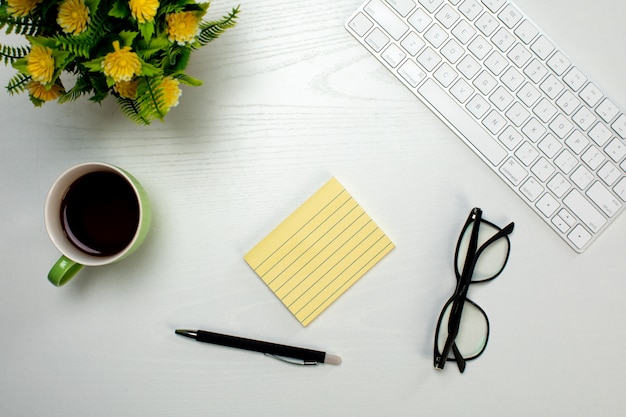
{"points": [[505, 88]]}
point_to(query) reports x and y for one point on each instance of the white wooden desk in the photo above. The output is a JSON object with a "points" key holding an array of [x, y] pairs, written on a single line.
{"points": [[289, 100]]}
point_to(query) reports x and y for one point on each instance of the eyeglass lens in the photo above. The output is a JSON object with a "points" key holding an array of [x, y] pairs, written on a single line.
{"points": [[491, 259]]}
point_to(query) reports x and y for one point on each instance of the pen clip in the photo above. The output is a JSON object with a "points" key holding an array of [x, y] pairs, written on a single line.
{"points": [[291, 361]]}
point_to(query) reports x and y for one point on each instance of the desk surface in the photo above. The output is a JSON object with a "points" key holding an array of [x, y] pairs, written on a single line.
{"points": [[289, 100]]}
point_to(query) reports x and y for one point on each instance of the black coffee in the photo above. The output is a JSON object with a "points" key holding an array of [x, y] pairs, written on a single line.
{"points": [[100, 213]]}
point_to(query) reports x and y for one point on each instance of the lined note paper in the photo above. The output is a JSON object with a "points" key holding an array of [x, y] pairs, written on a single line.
{"points": [[319, 251]]}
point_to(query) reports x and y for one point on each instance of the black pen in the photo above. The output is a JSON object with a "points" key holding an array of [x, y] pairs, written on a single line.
{"points": [[290, 354]]}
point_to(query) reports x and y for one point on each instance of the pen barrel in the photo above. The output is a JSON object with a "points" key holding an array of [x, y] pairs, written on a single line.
{"points": [[260, 346]]}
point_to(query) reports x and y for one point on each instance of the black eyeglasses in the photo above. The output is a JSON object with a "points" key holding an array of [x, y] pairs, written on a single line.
{"points": [[481, 254]]}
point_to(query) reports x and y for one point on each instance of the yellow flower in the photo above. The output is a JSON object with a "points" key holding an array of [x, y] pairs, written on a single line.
{"points": [[40, 64], [73, 16], [40, 92], [21, 8], [171, 92], [127, 89], [182, 27], [121, 64], [143, 10]]}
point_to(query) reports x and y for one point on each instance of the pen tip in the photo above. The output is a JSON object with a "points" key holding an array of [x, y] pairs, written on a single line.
{"points": [[332, 359]]}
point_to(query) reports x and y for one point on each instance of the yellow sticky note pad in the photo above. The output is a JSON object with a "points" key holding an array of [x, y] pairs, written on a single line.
{"points": [[319, 251]]}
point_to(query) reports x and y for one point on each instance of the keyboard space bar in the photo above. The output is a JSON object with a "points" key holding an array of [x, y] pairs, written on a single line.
{"points": [[468, 127]]}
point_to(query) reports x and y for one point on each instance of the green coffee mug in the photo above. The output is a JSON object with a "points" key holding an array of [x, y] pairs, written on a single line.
{"points": [[95, 214]]}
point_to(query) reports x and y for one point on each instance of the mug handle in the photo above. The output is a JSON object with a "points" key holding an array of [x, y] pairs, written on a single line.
{"points": [[63, 270]]}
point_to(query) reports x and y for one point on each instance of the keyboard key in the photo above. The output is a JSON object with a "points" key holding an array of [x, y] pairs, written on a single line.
{"points": [[420, 20], [575, 79], [503, 39], [411, 73], [581, 177], [577, 142], [510, 16], [604, 199], [559, 185], [377, 39], [480, 47], [478, 106], [517, 114], [436, 35], [620, 189], [493, 5], [519, 55], [584, 210], [600, 134], [431, 5], [593, 157], [445, 74], [463, 32], [526, 154], [550, 146], [494, 122], [496, 63], [412, 43], [403, 7], [542, 47], [471, 9], [616, 150], [609, 173], [620, 126], [487, 24], [461, 90], [386, 19], [544, 110], [360, 24], [547, 205], [510, 138], [568, 102], [566, 161], [559, 63], [513, 171], [501, 98], [607, 110], [456, 116], [535, 70], [534, 130], [551, 86], [529, 94], [485, 83], [579, 237], [512, 78], [531, 189], [543, 169], [452, 51], [393, 55], [561, 126], [526, 32], [429, 59], [584, 118], [469, 67], [591, 94], [447, 16]]}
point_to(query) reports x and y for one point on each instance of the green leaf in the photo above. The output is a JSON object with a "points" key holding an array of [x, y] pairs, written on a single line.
{"points": [[20, 65], [147, 30], [149, 70], [94, 65], [188, 80], [120, 10], [210, 31], [127, 37]]}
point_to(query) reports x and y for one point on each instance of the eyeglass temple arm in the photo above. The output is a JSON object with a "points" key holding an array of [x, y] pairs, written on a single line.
{"points": [[454, 321]]}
